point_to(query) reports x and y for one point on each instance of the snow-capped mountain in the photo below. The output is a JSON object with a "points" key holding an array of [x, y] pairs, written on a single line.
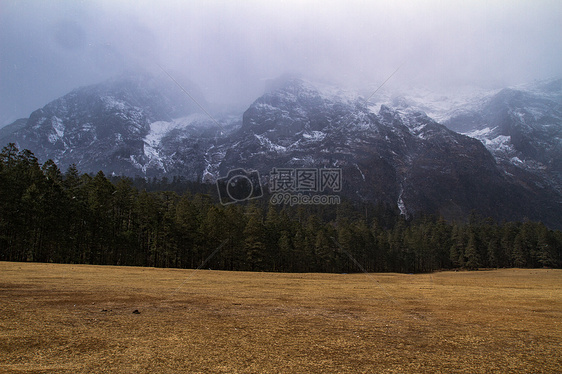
{"points": [[522, 127], [393, 153], [111, 126], [401, 157]]}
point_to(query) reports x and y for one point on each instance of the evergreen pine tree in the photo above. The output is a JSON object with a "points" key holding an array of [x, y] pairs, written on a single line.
{"points": [[471, 253], [254, 242], [492, 251]]}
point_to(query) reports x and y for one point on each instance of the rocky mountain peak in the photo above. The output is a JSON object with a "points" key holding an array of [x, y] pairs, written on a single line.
{"points": [[506, 167]]}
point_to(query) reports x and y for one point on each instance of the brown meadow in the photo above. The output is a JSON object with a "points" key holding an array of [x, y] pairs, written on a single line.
{"points": [[79, 319]]}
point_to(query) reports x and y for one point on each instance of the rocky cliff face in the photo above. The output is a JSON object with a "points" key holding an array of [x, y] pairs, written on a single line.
{"points": [[522, 128], [508, 168], [102, 126]]}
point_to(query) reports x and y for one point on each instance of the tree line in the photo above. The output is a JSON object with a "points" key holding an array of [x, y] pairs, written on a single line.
{"points": [[50, 216]]}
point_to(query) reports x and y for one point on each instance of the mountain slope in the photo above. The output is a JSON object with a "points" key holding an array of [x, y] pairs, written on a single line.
{"points": [[400, 156], [103, 126], [522, 128]]}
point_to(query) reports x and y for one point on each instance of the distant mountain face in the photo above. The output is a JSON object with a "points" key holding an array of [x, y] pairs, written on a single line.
{"points": [[396, 155], [103, 126], [401, 157], [522, 128]]}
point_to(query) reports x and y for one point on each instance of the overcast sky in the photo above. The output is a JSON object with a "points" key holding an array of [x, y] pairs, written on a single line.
{"points": [[230, 48]]}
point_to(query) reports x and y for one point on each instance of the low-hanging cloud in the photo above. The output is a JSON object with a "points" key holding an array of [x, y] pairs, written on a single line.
{"points": [[231, 48]]}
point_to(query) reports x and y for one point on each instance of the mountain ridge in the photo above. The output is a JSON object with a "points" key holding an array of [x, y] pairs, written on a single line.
{"points": [[397, 155]]}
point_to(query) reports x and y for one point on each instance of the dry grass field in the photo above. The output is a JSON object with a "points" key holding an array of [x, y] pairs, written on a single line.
{"points": [[79, 319]]}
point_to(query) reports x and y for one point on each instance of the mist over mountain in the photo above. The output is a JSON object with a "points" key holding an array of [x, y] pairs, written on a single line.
{"points": [[390, 151], [232, 50]]}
